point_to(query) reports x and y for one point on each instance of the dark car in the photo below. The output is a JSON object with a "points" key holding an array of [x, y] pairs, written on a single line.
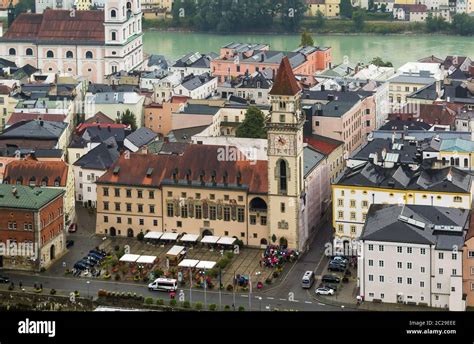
{"points": [[331, 279], [80, 266], [96, 256], [99, 253], [69, 243], [91, 259], [336, 267], [4, 279]]}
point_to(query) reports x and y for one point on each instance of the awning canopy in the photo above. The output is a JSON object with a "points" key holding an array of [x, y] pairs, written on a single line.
{"points": [[146, 259], [210, 239], [175, 250], [204, 264], [169, 236], [153, 235], [129, 258], [188, 263], [226, 240], [189, 238]]}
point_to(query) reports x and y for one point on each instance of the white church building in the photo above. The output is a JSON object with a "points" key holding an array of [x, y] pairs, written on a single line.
{"points": [[91, 44]]}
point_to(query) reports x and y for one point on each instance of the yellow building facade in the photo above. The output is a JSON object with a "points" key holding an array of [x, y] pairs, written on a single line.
{"points": [[329, 8]]}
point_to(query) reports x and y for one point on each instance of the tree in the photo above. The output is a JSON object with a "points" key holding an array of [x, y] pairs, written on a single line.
{"points": [[306, 39], [292, 13], [253, 126], [371, 6], [380, 63], [383, 8], [24, 6], [346, 9], [463, 24], [435, 23], [320, 20], [358, 19], [128, 118]]}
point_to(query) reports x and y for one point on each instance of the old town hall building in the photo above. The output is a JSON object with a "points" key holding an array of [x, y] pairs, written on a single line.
{"points": [[198, 192], [91, 44]]}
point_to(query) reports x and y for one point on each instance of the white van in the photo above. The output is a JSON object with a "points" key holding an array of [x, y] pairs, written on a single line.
{"points": [[165, 284], [308, 279]]}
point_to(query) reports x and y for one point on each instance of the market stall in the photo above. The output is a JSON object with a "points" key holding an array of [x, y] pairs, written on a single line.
{"points": [[146, 260], [169, 236], [188, 263], [129, 258], [175, 255]]}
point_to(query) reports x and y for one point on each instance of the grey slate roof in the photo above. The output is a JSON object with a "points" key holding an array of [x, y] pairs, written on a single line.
{"points": [[311, 159], [191, 82], [433, 228], [427, 92], [185, 134], [407, 153], [200, 109], [400, 125], [101, 157], [448, 179], [141, 136], [412, 79], [40, 130]]}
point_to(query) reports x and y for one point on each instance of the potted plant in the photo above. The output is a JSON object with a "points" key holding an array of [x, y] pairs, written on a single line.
{"points": [[173, 302]]}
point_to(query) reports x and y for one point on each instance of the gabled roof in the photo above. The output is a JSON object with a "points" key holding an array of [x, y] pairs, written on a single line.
{"points": [[196, 161], [58, 26], [141, 137], [441, 227], [31, 171], [22, 117], [99, 117], [39, 130], [285, 83], [25, 197], [323, 144], [101, 157]]}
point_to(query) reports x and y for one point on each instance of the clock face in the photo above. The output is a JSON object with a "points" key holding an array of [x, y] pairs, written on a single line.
{"points": [[282, 144], [281, 141]]}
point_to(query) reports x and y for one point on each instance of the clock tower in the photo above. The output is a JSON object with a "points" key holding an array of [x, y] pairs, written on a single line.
{"points": [[285, 157]]}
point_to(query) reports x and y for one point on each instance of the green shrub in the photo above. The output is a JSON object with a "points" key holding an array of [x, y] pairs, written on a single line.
{"points": [[198, 306], [229, 255], [212, 307], [173, 302], [140, 236], [241, 308], [186, 304], [227, 308], [160, 302], [149, 301]]}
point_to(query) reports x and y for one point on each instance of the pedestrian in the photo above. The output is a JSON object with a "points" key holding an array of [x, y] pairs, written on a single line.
{"points": [[233, 307], [20, 284], [41, 286]]}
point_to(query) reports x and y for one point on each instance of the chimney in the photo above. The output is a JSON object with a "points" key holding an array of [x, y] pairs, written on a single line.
{"points": [[41, 123], [14, 191]]}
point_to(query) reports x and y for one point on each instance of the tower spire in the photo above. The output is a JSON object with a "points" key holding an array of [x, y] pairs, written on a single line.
{"points": [[285, 82]]}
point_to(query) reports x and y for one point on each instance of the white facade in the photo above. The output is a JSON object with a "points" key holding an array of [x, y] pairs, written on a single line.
{"points": [[41, 5], [415, 68], [351, 204], [410, 273], [202, 92], [85, 186], [121, 50]]}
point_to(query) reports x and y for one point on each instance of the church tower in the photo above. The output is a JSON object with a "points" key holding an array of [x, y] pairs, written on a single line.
{"points": [[285, 157], [123, 35]]}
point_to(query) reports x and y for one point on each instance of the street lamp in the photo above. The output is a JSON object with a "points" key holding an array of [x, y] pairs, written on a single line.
{"points": [[88, 283]]}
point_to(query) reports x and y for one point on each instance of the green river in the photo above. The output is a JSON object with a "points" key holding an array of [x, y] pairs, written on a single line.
{"points": [[397, 48]]}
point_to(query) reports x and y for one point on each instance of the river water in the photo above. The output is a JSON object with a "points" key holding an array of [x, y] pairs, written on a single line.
{"points": [[395, 48]]}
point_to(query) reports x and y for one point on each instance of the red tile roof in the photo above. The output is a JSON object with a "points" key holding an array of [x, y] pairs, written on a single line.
{"points": [[21, 117], [83, 126], [4, 89], [58, 26], [196, 158], [39, 171], [285, 82], [322, 144], [100, 117]]}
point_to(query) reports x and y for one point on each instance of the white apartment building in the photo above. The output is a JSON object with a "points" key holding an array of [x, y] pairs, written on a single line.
{"points": [[367, 184], [413, 254], [197, 86]]}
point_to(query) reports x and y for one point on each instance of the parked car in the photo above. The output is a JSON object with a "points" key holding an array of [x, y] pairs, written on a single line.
{"points": [[86, 262], [331, 279], [4, 279], [328, 285], [324, 291], [96, 256], [337, 262], [340, 259], [72, 228], [69, 243], [99, 253], [336, 268], [80, 266], [92, 259]]}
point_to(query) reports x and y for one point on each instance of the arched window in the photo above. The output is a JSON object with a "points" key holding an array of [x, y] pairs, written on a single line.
{"points": [[69, 54], [113, 14], [283, 177], [89, 55], [50, 54], [12, 51], [57, 181], [29, 52]]}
